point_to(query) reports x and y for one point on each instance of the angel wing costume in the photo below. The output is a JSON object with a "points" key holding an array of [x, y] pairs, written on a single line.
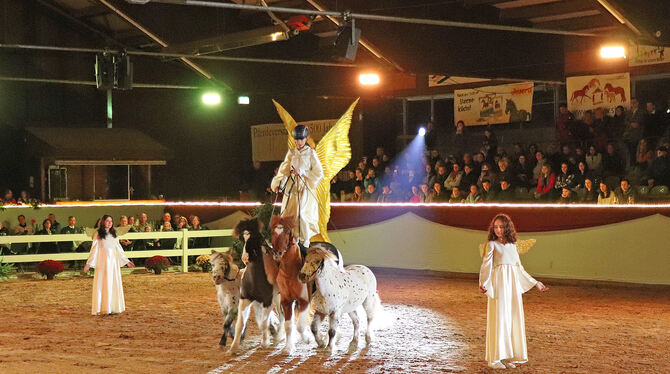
{"points": [[308, 196], [505, 281]]}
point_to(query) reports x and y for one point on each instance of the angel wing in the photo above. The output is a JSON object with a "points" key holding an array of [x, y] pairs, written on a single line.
{"points": [[523, 246], [482, 249], [122, 230], [334, 152], [90, 231]]}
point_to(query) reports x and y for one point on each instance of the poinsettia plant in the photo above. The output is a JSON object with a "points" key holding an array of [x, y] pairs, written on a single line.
{"points": [[157, 264], [50, 268]]}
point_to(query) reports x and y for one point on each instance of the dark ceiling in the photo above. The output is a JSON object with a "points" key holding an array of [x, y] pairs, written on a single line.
{"points": [[411, 48]]}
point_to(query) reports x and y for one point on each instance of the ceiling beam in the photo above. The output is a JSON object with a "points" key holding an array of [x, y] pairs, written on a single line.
{"points": [[471, 3], [546, 9], [577, 23], [91, 11], [615, 11]]}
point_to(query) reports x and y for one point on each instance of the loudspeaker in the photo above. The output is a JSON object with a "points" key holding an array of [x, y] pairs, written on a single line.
{"points": [[346, 43], [104, 71], [123, 72]]}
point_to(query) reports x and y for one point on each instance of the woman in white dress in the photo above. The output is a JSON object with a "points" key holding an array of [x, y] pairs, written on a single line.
{"points": [[503, 279], [300, 173], [107, 258]]}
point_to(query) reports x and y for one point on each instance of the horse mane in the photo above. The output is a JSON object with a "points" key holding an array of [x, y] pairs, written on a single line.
{"points": [[287, 222], [255, 242], [321, 253]]}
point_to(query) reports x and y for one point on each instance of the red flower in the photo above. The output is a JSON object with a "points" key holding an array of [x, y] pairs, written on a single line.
{"points": [[157, 263], [32, 220], [49, 268]]}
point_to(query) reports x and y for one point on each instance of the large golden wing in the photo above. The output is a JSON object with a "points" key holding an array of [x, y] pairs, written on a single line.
{"points": [[290, 124], [482, 249], [523, 246], [334, 152]]}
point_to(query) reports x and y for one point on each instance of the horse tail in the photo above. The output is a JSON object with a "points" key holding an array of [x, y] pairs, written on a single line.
{"points": [[374, 309]]}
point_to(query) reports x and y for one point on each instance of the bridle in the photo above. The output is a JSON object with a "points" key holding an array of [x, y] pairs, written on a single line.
{"points": [[317, 269], [235, 277]]}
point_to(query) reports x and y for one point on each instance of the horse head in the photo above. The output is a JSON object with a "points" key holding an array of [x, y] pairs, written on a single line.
{"points": [[314, 261], [509, 105], [282, 235], [223, 267], [249, 232]]}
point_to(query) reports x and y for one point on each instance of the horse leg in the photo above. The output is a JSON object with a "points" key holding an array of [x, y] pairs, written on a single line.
{"points": [[353, 345], [227, 327], [287, 306], [277, 319], [243, 310], [371, 304], [303, 313], [316, 321], [334, 320], [264, 323]]}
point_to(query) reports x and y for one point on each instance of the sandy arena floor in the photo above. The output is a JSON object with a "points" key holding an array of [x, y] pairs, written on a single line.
{"points": [[430, 324]]}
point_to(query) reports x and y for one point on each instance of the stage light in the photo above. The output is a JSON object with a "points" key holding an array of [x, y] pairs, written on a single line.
{"points": [[422, 131], [211, 98], [243, 100], [613, 52], [369, 79]]}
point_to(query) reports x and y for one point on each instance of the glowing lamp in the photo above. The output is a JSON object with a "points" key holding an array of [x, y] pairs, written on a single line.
{"points": [[243, 100], [211, 98], [613, 52], [422, 131], [368, 79]]}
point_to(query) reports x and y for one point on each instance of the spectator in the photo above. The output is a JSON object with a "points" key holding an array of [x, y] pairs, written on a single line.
{"points": [[55, 226], [359, 180], [438, 195], [635, 114], [431, 136], [386, 195], [459, 141], [487, 174], [599, 129], [429, 175], [145, 244], [372, 194], [631, 137], [473, 196], [468, 178], [659, 170], [131, 222], [564, 123], [594, 160], [590, 195], [554, 156], [71, 228], [167, 243], [348, 185], [455, 196], [566, 196], [4, 250], [654, 122], [504, 171], [454, 178], [200, 242], [532, 151], [426, 194], [416, 195], [579, 154], [581, 175], [371, 178], [8, 197], [612, 163], [606, 196], [523, 171], [643, 156], [125, 243], [182, 224], [143, 222], [23, 228], [545, 184], [565, 179], [486, 192], [540, 162], [167, 217], [24, 198], [379, 154], [46, 247], [506, 193], [490, 143], [357, 196], [377, 165], [566, 153], [517, 150], [442, 175], [618, 123], [625, 194]]}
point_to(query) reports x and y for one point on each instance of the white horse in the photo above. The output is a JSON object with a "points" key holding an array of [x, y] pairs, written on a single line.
{"points": [[339, 291]]}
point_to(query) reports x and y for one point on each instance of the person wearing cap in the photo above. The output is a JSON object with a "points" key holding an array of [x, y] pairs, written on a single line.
{"points": [[298, 176]]}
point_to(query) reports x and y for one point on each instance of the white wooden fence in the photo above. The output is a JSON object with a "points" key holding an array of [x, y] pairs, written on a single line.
{"points": [[182, 237]]}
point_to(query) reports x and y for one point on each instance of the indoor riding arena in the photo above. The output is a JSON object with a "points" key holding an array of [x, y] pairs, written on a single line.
{"points": [[334, 186]]}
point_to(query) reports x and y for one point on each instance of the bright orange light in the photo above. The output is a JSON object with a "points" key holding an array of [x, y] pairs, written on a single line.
{"points": [[613, 52], [369, 79]]}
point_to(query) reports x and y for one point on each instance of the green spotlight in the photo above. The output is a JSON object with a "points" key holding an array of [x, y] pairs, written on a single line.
{"points": [[211, 98]]}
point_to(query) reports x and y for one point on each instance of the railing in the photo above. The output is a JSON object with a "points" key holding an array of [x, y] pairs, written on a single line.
{"points": [[182, 237]]}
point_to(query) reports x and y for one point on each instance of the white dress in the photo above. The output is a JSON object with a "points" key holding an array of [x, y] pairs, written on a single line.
{"points": [[300, 198], [107, 258], [505, 281]]}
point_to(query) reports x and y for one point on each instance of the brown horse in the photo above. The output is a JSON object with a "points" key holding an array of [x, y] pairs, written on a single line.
{"points": [[291, 290]]}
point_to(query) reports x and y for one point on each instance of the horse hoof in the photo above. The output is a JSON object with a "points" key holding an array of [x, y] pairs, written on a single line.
{"points": [[353, 345], [288, 350], [231, 352]]}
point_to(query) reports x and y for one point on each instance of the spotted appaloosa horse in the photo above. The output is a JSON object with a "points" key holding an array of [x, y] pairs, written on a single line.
{"points": [[227, 278], [291, 290], [255, 289], [339, 291]]}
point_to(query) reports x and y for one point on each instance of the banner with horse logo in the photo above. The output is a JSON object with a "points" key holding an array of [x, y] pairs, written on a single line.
{"points": [[646, 55], [491, 105], [268, 142], [598, 91]]}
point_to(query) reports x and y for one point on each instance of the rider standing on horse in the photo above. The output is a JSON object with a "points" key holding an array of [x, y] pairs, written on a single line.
{"points": [[298, 177]]}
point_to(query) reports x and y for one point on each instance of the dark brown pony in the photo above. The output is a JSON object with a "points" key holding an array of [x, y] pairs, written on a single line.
{"points": [[291, 290]]}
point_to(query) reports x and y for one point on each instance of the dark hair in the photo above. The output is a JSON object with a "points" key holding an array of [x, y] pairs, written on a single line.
{"points": [[70, 217], [510, 231], [601, 193], [102, 233], [45, 222], [20, 215]]}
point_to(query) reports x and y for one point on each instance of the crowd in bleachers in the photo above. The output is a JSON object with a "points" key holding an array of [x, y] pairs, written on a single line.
{"points": [[141, 223], [618, 159]]}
